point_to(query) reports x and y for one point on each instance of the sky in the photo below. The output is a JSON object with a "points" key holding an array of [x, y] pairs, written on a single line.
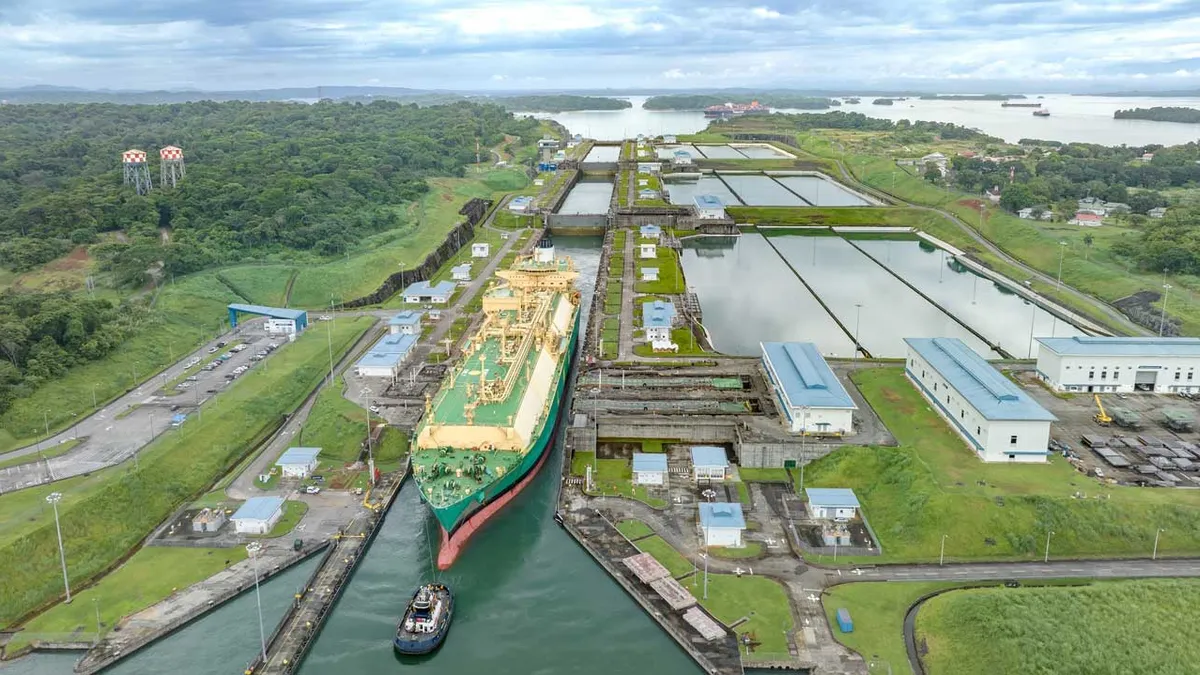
{"points": [[964, 45]]}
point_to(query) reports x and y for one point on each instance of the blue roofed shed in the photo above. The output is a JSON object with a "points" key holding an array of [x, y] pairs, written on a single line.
{"points": [[298, 317], [999, 420], [298, 462], [650, 231], [385, 356], [258, 515], [422, 291], [657, 318], [832, 503], [461, 272], [709, 207], [649, 468], [407, 322], [722, 523], [810, 396], [709, 462]]}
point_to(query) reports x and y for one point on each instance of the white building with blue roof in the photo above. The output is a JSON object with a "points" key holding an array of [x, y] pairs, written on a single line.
{"points": [[461, 272], [383, 359], [658, 316], [832, 503], [1120, 364], [650, 232], [423, 291], [721, 524], [811, 398], [298, 462], [997, 418], [709, 462], [407, 322], [649, 468], [258, 515], [709, 207]]}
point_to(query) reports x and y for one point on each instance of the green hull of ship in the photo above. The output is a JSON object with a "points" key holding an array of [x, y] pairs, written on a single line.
{"points": [[453, 515]]}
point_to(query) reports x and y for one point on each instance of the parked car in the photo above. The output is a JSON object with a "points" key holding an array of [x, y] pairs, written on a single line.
{"points": [[222, 344], [212, 350], [318, 479], [313, 490], [324, 317], [374, 409]]}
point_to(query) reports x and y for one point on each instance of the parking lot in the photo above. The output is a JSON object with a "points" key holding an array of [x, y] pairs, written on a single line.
{"points": [[1140, 446]]}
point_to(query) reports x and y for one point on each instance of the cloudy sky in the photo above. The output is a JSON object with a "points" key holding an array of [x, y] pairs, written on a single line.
{"points": [[531, 44]]}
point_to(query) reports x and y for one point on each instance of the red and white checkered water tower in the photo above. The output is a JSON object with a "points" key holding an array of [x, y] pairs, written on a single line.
{"points": [[171, 164], [137, 173]]}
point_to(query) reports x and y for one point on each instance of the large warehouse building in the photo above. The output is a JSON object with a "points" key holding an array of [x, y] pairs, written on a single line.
{"points": [[811, 398], [999, 420], [1120, 364], [384, 357]]}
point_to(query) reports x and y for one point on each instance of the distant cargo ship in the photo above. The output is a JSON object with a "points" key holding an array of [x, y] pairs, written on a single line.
{"points": [[735, 109], [1006, 104], [1041, 112], [489, 427]]}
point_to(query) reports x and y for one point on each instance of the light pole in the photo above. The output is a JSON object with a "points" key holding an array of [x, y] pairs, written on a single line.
{"points": [[253, 548], [1162, 320], [54, 498], [1032, 321], [152, 426], [1154, 556], [46, 416], [803, 435], [1046, 558], [857, 323], [942, 555], [974, 288], [370, 452], [94, 406], [329, 342], [1062, 252]]}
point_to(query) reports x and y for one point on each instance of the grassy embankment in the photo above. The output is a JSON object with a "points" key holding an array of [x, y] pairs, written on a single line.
{"points": [[932, 485], [634, 529], [1093, 270], [339, 427], [186, 314], [105, 515], [670, 273], [762, 601], [613, 477], [150, 575], [1105, 628], [653, 182]]}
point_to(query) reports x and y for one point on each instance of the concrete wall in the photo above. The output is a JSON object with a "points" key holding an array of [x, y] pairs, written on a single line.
{"points": [[756, 455], [680, 428], [601, 167], [587, 221]]}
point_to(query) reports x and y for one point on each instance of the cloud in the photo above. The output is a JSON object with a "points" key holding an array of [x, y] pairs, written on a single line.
{"points": [[589, 43]]}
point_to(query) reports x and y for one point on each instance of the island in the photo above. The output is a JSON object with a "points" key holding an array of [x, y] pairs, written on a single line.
{"points": [[556, 103], [1160, 114], [703, 101], [883, 101]]}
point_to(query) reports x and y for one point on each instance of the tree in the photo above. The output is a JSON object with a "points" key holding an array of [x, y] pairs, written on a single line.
{"points": [[1088, 240], [1016, 197], [932, 173]]}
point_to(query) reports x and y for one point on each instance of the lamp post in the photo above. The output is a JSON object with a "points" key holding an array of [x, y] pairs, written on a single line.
{"points": [[370, 451], [857, 323], [942, 555], [254, 548], [803, 436], [1046, 558], [1032, 321], [1162, 320], [94, 406], [1154, 556], [54, 498], [1062, 252], [46, 416]]}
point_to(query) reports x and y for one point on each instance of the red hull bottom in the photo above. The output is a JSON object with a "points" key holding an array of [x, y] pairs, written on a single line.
{"points": [[453, 545]]}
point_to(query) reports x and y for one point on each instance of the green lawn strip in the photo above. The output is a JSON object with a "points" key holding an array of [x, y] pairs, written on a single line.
{"points": [[293, 511], [335, 425], [115, 513], [482, 236], [1105, 628], [688, 346], [49, 452], [634, 529], [749, 549], [877, 610], [259, 284], [670, 274], [185, 314], [933, 485], [149, 576], [743, 493], [664, 553], [764, 601]]}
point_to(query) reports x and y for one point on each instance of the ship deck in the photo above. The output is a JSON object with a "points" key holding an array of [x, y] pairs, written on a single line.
{"points": [[449, 487], [449, 407]]}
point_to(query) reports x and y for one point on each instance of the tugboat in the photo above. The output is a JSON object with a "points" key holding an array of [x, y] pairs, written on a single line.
{"points": [[1041, 112], [426, 621]]}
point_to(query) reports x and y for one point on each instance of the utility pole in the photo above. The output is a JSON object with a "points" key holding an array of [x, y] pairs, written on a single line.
{"points": [[857, 322], [942, 555], [803, 448], [1062, 252], [254, 548], [1154, 556], [1046, 558], [1162, 320], [54, 498]]}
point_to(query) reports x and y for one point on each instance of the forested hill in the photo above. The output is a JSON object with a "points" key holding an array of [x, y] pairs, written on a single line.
{"points": [[702, 101], [263, 179], [1160, 114], [561, 103]]}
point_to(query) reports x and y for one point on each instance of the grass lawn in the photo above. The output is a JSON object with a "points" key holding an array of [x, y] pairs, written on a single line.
{"points": [[48, 453], [185, 314], [151, 575], [119, 506], [765, 475], [666, 554], [293, 511], [634, 529], [878, 609], [670, 274], [614, 477], [260, 284], [680, 336], [1105, 628], [933, 485], [378, 256], [339, 427]]}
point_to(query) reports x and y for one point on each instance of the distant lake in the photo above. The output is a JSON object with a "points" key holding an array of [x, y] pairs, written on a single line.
{"points": [[1084, 119]]}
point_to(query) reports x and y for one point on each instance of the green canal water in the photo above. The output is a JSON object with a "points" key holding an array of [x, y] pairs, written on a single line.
{"points": [[529, 600]]}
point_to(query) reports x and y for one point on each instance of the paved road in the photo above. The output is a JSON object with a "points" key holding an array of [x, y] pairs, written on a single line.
{"points": [[111, 439], [1112, 314], [1092, 569]]}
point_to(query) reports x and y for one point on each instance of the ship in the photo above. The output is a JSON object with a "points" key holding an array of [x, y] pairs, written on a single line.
{"points": [[735, 109], [426, 620], [489, 427], [1008, 104], [1041, 112]]}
